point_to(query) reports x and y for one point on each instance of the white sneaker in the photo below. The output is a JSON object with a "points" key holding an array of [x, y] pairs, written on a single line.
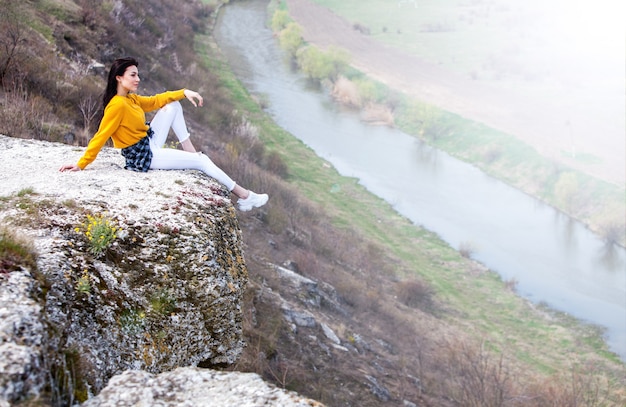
{"points": [[252, 201]]}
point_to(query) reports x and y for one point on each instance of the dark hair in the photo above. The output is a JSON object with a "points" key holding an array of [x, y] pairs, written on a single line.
{"points": [[117, 69]]}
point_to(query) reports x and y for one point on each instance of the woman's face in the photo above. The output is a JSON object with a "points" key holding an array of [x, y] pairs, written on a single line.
{"points": [[129, 82]]}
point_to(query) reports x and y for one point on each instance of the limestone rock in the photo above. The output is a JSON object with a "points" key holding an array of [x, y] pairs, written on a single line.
{"points": [[21, 337], [193, 387], [166, 291]]}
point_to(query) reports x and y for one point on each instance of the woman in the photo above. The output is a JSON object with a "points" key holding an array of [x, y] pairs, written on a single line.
{"points": [[124, 122]]}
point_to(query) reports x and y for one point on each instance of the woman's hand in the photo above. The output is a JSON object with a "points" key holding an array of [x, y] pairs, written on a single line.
{"points": [[69, 167], [194, 97]]}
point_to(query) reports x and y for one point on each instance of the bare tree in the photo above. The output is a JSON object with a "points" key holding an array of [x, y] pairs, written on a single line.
{"points": [[12, 36], [89, 108]]}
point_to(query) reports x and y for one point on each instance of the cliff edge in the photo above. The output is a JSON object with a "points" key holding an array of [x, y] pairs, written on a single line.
{"points": [[134, 272]]}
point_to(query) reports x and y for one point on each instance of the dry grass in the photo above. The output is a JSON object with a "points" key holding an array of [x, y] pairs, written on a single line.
{"points": [[346, 92], [377, 114]]}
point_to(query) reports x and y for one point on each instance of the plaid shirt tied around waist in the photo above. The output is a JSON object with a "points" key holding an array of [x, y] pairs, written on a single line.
{"points": [[139, 156]]}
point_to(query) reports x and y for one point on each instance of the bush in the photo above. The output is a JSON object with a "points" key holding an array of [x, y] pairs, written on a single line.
{"points": [[321, 65], [612, 225], [280, 20], [346, 92], [566, 192], [290, 38], [15, 252], [275, 164], [100, 233], [314, 62], [415, 294]]}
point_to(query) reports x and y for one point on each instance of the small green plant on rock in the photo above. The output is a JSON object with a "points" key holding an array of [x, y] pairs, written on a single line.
{"points": [[163, 302], [83, 285], [132, 321], [100, 232]]}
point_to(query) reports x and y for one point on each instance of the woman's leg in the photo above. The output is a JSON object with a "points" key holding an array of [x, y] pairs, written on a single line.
{"points": [[169, 117], [173, 159]]}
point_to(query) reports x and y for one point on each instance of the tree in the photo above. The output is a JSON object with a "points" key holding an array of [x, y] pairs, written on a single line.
{"points": [[89, 108], [12, 37], [291, 38]]}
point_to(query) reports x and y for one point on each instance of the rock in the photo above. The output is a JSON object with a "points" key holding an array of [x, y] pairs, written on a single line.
{"points": [[310, 294], [194, 387], [300, 318], [21, 337], [330, 334], [378, 389], [166, 292]]}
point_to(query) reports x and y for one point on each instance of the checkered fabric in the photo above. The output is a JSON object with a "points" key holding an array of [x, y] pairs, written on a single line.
{"points": [[139, 156]]}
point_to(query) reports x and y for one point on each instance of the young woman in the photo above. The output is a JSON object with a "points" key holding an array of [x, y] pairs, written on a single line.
{"points": [[124, 121]]}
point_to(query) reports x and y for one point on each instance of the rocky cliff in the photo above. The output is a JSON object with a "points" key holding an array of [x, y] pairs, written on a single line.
{"points": [[135, 272]]}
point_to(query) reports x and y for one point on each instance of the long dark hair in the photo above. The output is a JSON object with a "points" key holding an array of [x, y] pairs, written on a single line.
{"points": [[117, 69]]}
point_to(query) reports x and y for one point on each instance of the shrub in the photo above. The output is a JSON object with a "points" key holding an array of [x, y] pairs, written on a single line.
{"points": [[478, 377], [566, 191], [275, 164], [377, 114], [163, 302], [415, 294], [313, 62], [23, 116], [368, 90], [321, 65], [280, 20], [612, 225], [290, 38], [346, 92], [361, 28], [15, 252], [100, 233], [466, 249]]}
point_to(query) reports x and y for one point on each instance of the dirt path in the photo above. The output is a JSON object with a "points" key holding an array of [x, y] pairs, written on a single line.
{"points": [[576, 123]]}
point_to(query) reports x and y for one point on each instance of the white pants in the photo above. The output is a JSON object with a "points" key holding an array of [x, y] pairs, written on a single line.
{"points": [[171, 116]]}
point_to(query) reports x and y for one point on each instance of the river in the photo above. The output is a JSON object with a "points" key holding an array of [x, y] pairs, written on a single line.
{"points": [[554, 259]]}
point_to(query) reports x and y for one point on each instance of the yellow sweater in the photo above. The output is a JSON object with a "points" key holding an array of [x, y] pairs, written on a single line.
{"points": [[124, 121]]}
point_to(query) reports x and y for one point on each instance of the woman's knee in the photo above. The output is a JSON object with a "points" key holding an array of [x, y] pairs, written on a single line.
{"points": [[174, 106]]}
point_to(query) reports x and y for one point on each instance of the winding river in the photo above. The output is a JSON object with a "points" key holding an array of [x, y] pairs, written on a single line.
{"points": [[554, 259]]}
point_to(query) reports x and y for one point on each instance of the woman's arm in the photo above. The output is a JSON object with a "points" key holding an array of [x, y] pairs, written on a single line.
{"points": [[195, 98], [69, 167], [108, 126]]}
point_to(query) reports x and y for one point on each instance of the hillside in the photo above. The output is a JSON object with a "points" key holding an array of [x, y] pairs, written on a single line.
{"points": [[340, 314]]}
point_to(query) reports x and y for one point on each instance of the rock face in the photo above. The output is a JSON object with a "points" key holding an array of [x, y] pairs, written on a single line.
{"points": [[21, 338], [162, 289]]}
